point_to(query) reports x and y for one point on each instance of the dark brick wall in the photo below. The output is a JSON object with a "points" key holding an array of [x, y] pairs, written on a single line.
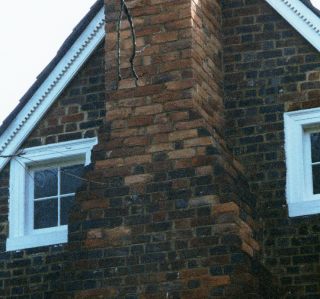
{"points": [[269, 69], [78, 112]]}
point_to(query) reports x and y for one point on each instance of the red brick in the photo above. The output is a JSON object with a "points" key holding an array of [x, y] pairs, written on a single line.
{"points": [[183, 134], [72, 118], [140, 121], [164, 37], [137, 179], [118, 113], [181, 154], [178, 85], [193, 273], [146, 110], [229, 207], [139, 141], [159, 128], [160, 147], [180, 104], [138, 159]]}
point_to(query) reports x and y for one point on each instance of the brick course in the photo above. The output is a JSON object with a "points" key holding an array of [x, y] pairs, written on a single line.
{"points": [[182, 202], [78, 113], [270, 69], [174, 223]]}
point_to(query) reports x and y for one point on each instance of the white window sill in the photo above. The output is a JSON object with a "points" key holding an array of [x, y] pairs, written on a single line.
{"points": [[304, 208], [43, 237]]}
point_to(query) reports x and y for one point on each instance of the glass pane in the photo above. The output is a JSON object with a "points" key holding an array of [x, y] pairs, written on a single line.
{"points": [[45, 183], [66, 205], [71, 178], [315, 146], [316, 179], [45, 213]]}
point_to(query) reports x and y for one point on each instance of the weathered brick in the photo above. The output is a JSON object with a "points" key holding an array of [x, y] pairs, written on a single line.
{"points": [[230, 207], [135, 179], [178, 85], [165, 37], [138, 159], [184, 134], [181, 154], [146, 110], [140, 121], [160, 147], [118, 113], [109, 163]]}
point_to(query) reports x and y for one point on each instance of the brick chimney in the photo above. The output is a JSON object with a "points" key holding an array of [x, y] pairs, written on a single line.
{"points": [[171, 214]]}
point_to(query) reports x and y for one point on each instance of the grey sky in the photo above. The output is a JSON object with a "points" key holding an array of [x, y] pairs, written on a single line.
{"points": [[32, 32], [316, 3]]}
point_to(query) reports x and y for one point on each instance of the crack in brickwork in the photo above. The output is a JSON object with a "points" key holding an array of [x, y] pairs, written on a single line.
{"points": [[175, 221]]}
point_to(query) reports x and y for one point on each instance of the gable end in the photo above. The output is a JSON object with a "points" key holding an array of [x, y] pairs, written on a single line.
{"points": [[33, 111]]}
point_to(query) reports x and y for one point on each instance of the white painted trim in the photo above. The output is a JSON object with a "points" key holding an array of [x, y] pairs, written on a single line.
{"points": [[58, 151], [59, 236], [51, 88], [303, 19], [20, 234], [297, 127], [307, 208]]}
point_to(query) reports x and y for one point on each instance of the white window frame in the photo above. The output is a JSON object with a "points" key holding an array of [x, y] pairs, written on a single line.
{"points": [[299, 186], [20, 236]]}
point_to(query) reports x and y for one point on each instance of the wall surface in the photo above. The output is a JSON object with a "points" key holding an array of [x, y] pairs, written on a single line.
{"points": [[78, 112], [269, 69], [168, 212], [171, 215]]}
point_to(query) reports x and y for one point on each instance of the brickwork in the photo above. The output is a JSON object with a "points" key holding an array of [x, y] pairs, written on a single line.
{"points": [[80, 109], [170, 214], [168, 211], [78, 113], [270, 69]]}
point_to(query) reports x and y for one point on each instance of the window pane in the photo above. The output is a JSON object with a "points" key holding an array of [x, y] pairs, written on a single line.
{"points": [[315, 146], [71, 178], [45, 183], [316, 179], [45, 213], [66, 205]]}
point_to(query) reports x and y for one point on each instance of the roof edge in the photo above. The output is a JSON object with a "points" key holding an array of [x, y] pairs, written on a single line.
{"points": [[30, 111], [311, 6], [71, 39], [302, 18]]}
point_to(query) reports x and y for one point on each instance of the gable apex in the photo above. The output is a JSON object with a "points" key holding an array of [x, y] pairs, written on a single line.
{"points": [[72, 55]]}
